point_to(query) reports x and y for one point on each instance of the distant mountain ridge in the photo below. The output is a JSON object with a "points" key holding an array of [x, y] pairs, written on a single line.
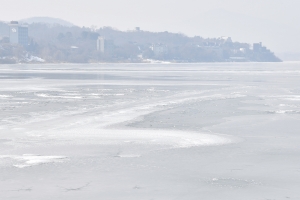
{"points": [[47, 20]]}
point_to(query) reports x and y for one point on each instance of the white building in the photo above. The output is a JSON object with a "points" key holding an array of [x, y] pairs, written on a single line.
{"points": [[18, 34], [100, 44], [104, 45]]}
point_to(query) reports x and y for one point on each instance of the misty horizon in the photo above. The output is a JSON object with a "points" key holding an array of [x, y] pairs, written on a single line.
{"points": [[272, 22]]}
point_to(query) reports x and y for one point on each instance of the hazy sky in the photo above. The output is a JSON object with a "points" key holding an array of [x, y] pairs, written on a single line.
{"points": [[273, 22], [123, 13]]}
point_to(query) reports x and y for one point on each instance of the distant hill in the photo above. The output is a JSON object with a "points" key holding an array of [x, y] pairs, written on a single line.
{"points": [[47, 20], [277, 36], [74, 44]]}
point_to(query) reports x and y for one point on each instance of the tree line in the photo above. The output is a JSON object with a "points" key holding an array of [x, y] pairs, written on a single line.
{"points": [[56, 43]]}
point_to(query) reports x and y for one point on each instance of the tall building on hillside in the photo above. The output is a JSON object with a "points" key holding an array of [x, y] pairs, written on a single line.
{"points": [[100, 44], [104, 45], [18, 34]]}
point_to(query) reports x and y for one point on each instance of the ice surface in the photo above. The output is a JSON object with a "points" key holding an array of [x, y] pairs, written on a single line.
{"points": [[150, 131], [29, 160]]}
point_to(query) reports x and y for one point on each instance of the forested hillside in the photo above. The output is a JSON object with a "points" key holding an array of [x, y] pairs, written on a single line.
{"points": [[57, 43]]}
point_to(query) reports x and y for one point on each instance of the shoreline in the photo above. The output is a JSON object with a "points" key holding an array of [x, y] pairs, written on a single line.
{"points": [[141, 63]]}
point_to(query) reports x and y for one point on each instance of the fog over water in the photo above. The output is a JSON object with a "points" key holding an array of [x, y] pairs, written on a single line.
{"points": [[150, 131]]}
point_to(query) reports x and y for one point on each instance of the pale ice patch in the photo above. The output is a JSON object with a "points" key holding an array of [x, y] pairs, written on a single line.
{"points": [[162, 138], [204, 98], [29, 160], [282, 111], [69, 97], [5, 96], [105, 89], [297, 98], [233, 182], [72, 94], [112, 94], [128, 156], [151, 89], [284, 97], [185, 139], [62, 97], [285, 112], [42, 95], [156, 90]]}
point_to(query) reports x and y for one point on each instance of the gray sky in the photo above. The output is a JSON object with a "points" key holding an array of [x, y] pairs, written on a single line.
{"points": [[274, 22]]}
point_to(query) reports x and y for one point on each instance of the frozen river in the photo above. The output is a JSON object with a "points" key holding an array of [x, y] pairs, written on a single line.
{"points": [[150, 131]]}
